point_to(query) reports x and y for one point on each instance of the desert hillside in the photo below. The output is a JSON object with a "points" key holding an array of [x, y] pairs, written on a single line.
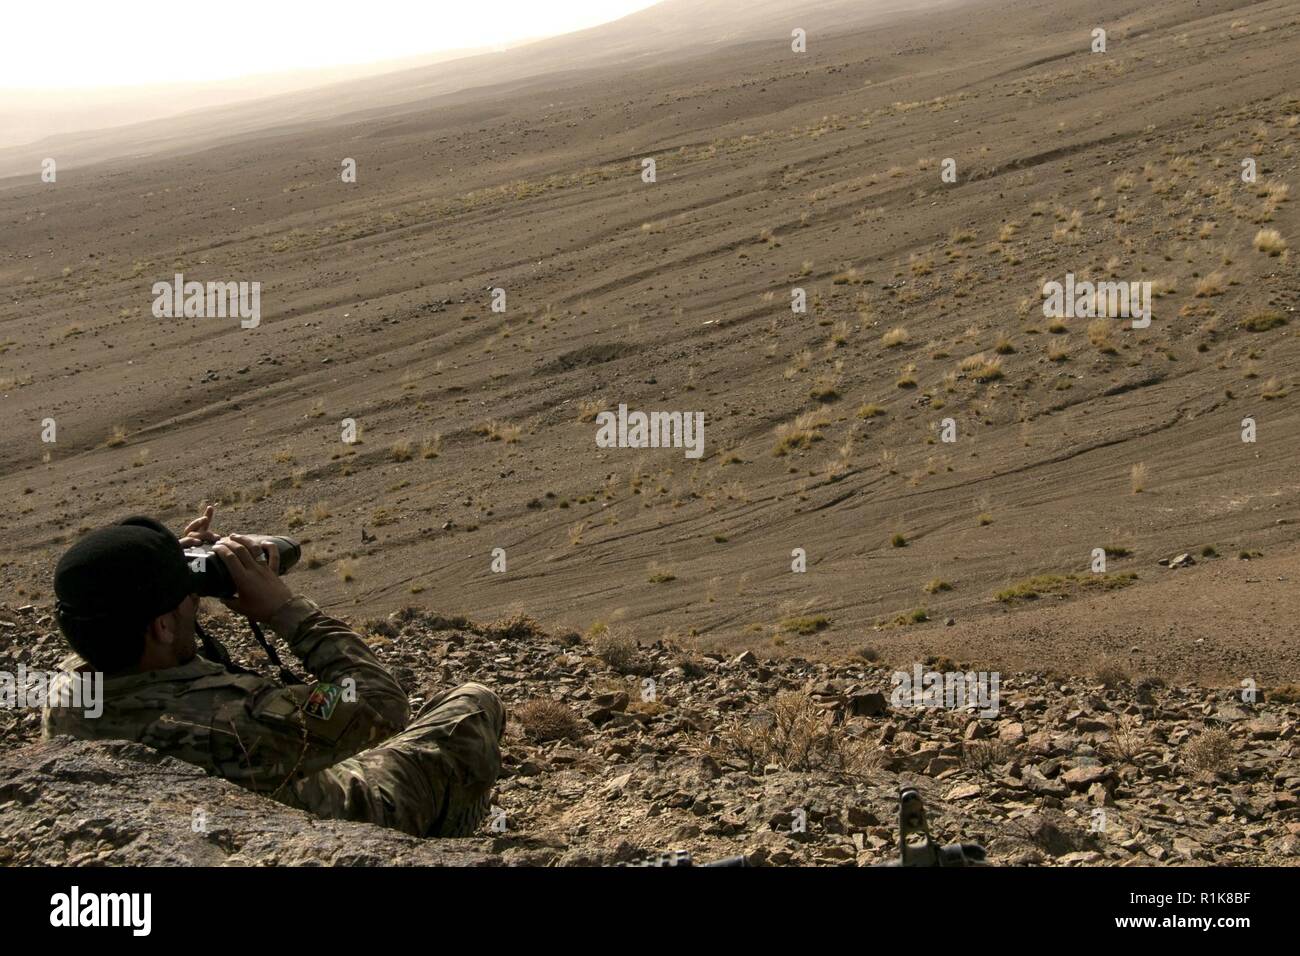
{"points": [[825, 429]]}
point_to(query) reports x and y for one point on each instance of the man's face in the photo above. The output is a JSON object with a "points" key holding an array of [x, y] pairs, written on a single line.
{"points": [[187, 614], [169, 642]]}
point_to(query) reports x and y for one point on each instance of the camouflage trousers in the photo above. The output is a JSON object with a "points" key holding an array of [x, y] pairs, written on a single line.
{"points": [[433, 779]]}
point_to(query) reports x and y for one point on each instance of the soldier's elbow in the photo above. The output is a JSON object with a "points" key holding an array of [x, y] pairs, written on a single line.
{"points": [[393, 715]]}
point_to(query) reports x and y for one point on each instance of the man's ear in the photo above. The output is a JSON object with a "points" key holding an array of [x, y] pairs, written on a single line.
{"points": [[162, 630]]}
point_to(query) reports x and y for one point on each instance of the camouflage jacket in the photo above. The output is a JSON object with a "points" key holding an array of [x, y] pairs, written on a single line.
{"points": [[246, 728]]}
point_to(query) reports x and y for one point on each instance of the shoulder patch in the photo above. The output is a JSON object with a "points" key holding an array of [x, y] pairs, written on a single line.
{"points": [[322, 700]]}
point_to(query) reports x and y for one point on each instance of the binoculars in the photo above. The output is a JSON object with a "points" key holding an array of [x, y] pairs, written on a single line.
{"points": [[210, 576]]}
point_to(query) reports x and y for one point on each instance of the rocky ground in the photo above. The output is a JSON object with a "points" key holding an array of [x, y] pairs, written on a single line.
{"points": [[726, 757]]}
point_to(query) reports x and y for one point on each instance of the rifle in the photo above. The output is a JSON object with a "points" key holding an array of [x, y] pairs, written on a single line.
{"points": [[911, 819], [683, 858]]}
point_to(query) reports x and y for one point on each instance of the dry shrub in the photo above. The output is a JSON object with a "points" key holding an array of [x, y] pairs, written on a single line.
{"points": [[1210, 286], [1270, 242], [516, 627], [380, 627], [985, 756], [1111, 673], [499, 431], [1128, 741], [619, 651], [797, 735], [690, 665], [545, 720], [1210, 751], [1099, 336], [1138, 476], [802, 432]]}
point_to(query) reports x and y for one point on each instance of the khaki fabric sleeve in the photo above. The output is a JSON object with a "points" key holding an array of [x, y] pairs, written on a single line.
{"points": [[334, 653], [272, 735]]}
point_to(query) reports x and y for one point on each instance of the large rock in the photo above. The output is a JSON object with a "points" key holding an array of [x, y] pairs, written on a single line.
{"points": [[1081, 778], [77, 802], [867, 704]]}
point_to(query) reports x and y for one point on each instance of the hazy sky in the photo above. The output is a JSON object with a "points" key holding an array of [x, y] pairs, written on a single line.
{"points": [[95, 43]]}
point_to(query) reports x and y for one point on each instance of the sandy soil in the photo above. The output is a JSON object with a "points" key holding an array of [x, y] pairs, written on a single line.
{"points": [[774, 171]]}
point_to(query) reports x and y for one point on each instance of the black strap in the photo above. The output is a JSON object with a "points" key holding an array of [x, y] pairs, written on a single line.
{"points": [[286, 675], [213, 650], [216, 652]]}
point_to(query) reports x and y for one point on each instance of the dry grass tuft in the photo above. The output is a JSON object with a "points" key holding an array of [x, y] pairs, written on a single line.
{"points": [[1099, 336], [797, 735], [802, 432], [1269, 242], [1210, 751], [1111, 673], [895, 337], [499, 431], [1138, 478], [545, 720], [619, 651], [981, 368]]}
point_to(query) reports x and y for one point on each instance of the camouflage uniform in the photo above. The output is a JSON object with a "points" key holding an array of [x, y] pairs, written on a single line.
{"points": [[318, 747]]}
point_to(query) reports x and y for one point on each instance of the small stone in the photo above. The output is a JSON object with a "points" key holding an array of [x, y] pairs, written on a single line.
{"points": [[1081, 856], [617, 700], [1081, 778], [1099, 795], [938, 765], [619, 782], [1037, 783], [1091, 724], [861, 817], [1011, 731], [1263, 729], [867, 705]]}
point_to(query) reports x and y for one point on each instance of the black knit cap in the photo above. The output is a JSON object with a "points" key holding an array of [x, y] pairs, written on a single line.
{"points": [[129, 572]]}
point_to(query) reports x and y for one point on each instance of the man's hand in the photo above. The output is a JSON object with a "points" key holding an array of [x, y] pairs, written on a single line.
{"points": [[259, 590], [199, 531]]}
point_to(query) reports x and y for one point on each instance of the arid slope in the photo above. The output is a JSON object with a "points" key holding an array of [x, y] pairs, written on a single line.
{"points": [[775, 170]]}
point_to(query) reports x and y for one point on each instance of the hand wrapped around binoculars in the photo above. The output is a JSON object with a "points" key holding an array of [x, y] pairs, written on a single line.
{"points": [[259, 589], [259, 592]]}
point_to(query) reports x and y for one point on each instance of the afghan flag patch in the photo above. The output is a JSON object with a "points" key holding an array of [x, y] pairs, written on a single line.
{"points": [[322, 701]]}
